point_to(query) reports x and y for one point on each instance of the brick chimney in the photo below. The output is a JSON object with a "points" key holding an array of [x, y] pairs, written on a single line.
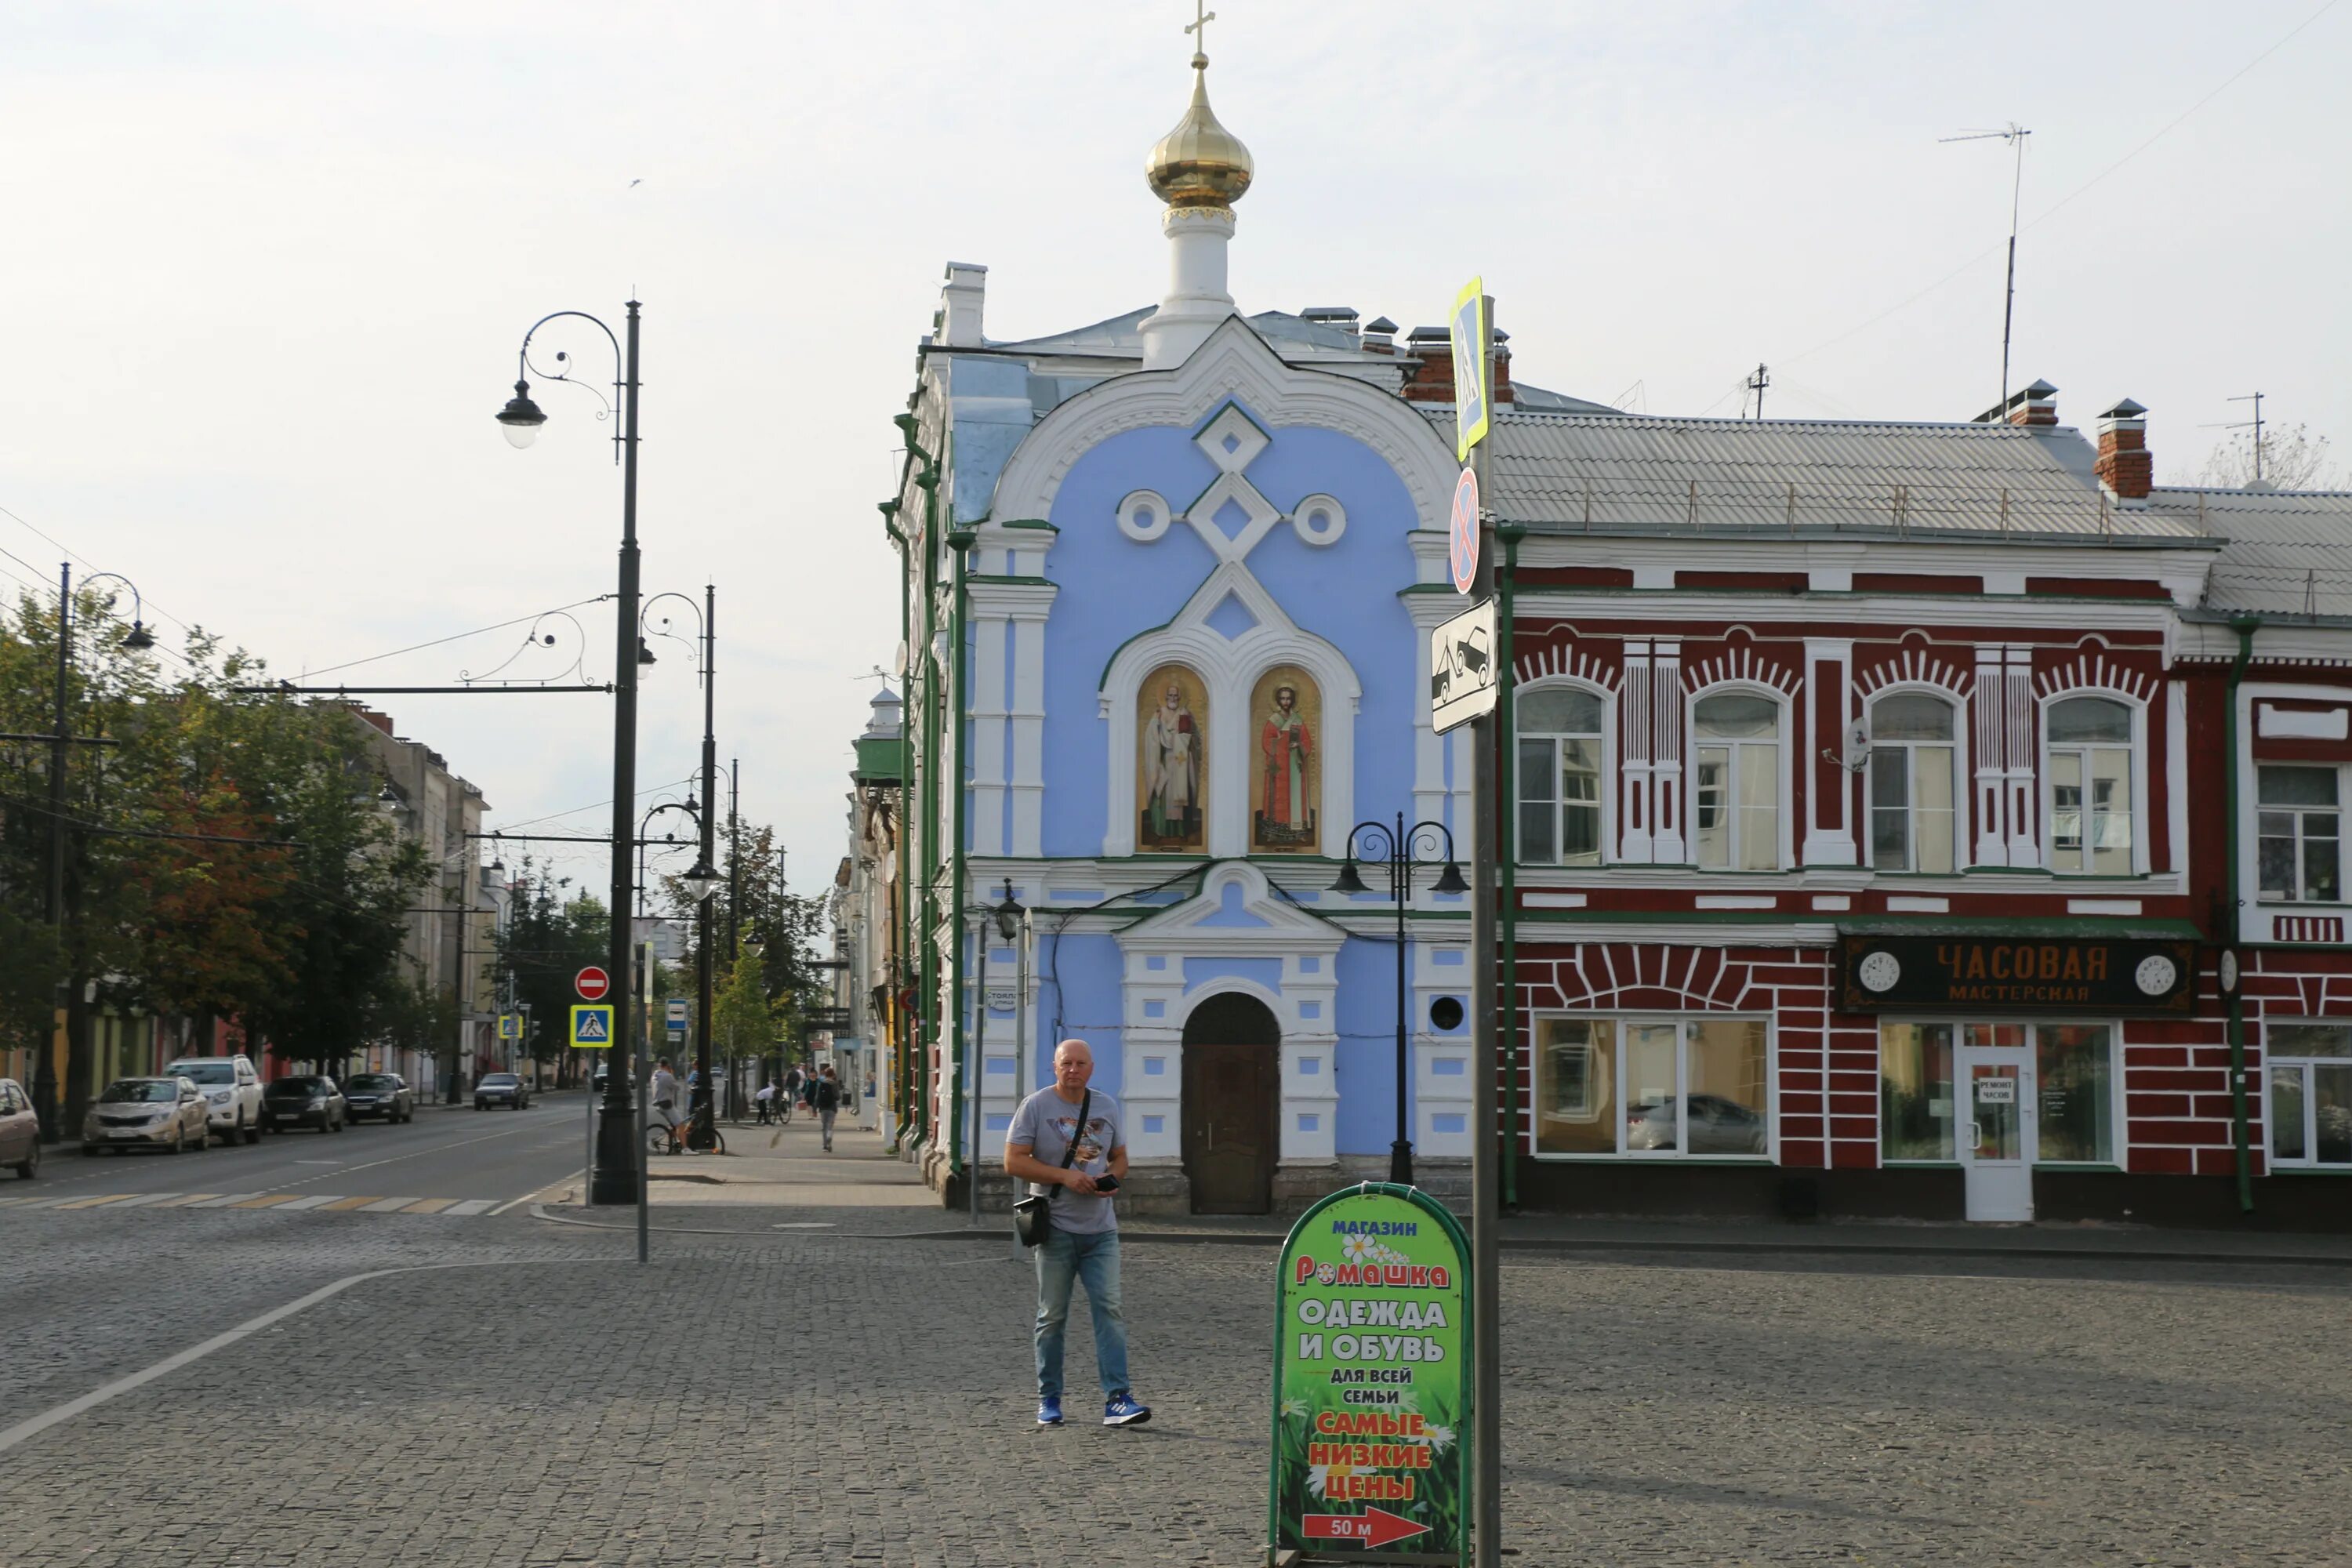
{"points": [[2125, 465], [1429, 377], [2036, 406]]}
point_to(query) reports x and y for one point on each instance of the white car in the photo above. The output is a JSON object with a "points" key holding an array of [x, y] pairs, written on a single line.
{"points": [[232, 1092]]}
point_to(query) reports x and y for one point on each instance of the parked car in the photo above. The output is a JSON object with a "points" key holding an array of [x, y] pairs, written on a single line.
{"points": [[1718, 1126], [231, 1088], [20, 1130], [500, 1089], [148, 1114], [384, 1094], [303, 1102]]}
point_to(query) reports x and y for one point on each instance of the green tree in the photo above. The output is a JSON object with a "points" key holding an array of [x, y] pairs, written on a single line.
{"points": [[551, 934]]}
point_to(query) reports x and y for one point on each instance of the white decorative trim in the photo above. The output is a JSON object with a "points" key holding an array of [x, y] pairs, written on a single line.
{"points": [[1903, 904], [1735, 901], [1229, 668], [2139, 707], [1551, 901], [1232, 489], [2093, 672], [1784, 738], [1910, 667], [2103, 906], [1318, 520], [1138, 502], [1572, 662], [1235, 362], [1831, 903], [1609, 750], [1739, 665], [1829, 836]]}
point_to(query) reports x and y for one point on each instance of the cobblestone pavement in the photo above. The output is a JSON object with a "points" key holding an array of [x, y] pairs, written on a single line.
{"points": [[805, 1397]]}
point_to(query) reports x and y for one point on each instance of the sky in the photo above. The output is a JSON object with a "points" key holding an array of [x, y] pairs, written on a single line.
{"points": [[268, 267]]}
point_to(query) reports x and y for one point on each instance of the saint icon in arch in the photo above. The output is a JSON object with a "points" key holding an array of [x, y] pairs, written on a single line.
{"points": [[1287, 798], [1171, 766]]}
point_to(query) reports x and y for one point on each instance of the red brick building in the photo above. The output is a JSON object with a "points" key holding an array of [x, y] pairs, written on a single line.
{"points": [[1882, 799]]}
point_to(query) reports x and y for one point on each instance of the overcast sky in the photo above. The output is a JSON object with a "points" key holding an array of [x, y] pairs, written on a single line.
{"points": [[267, 266]]}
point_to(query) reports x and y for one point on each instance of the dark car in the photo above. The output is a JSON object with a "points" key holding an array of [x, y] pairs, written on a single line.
{"points": [[501, 1089], [384, 1094], [1718, 1126], [20, 1130], [303, 1102]]}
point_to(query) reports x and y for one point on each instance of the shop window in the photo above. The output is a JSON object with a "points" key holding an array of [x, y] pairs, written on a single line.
{"points": [[1653, 1086], [2299, 833], [1736, 800], [2075, 1066], [1912, 769], [2087, 742], [2310, 1068], [1915, 1091], [1559, 745]]}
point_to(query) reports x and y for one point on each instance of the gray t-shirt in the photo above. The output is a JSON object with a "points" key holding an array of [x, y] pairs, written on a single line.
{"points": [[1045, 1121]]}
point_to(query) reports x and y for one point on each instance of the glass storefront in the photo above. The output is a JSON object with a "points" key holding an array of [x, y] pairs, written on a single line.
{"points": [[2074, 1069], [1653, 1088]]}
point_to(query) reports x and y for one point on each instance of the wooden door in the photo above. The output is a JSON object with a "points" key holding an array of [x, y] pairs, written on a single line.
{"points": [[1232, 1097]]}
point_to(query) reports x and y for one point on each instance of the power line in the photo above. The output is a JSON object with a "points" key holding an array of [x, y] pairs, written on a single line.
{"points": [[454, 637]]}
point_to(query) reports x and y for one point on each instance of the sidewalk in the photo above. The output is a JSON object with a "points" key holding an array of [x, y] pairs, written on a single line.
{"points": [[787, 1166]]}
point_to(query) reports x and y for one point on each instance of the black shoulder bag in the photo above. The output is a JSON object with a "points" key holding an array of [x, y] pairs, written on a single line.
{"points": [[1033, 1216]]}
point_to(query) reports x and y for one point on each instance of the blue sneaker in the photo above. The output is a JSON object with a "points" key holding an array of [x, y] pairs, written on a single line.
{"points": [[1122, 1409], [1049, 1412]]}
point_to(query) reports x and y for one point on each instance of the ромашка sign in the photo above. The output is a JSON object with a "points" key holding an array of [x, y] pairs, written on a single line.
{"points": [[2016, 975]]}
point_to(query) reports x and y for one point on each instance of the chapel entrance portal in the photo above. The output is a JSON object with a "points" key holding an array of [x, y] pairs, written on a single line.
{"points": [[1232, 1100]]}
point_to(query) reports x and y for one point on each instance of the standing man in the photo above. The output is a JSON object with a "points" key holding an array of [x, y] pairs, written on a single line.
{"points": [[1082, 1236], [665, 1093], [824, 1098]]}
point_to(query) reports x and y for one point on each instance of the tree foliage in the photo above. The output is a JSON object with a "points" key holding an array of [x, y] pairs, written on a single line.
{"points": [[2293, 459]]}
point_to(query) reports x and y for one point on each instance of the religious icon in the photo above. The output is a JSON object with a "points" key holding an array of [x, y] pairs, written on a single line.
{"points": [[1286, 800], [1172, 766]]}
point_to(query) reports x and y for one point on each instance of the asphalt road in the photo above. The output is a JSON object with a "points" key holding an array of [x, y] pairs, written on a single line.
{"points": [[459, 1155], [509, 1391]]}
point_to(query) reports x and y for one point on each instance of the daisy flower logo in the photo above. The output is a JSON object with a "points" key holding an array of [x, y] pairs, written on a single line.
{"points": [[1357, 1249]]}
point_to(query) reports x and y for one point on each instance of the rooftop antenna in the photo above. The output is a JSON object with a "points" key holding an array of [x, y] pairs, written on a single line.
{"points": [[2014, 134], [2255, 423], [1757, 383]]}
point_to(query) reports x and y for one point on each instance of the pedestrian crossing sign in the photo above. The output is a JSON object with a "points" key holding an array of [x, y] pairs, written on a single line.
{"points": [[509, 1025], [591, 1026]]}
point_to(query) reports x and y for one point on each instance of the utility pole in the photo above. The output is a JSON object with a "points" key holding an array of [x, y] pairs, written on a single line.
{"points": [[2256, 399], [707, 1107], [1486, 754], [2014, 134], [53, 900], [1757, 383]]}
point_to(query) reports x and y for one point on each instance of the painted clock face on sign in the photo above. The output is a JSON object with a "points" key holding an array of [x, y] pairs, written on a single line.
{"points": [[2154, 975], [1879, 970]]}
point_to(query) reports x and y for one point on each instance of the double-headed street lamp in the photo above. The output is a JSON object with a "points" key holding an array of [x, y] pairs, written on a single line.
{"points": [[1405, 850], [703, 880], [61, 739], [614, 1179]]}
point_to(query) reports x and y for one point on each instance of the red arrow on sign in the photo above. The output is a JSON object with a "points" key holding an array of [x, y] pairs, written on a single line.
{"points": [[1372, 1529], [592, 982]]}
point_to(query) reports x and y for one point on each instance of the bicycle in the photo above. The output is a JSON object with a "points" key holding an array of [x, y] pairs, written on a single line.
{"points": [[673, 1138]]}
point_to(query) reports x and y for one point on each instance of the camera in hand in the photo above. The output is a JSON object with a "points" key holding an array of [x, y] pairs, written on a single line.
{"points": [[1106, 1184]]}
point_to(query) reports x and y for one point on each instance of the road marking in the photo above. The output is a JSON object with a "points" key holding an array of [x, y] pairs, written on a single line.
{"points": [[93, 1203], [298, 1205], [145, 1200], [187, 1200], [11, 1436], [472, 1206], [265, 1200], [342, 1205], [224, 1201], [387, 1206], [535, 1192], [428, 1205]]}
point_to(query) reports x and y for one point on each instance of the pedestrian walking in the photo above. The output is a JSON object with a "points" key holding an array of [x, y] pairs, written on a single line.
{"points": [[824, 1098], [765, 1100], [665, 1093], [1068, 1143]]}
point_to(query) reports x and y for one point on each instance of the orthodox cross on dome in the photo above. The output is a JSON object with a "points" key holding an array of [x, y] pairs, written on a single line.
{"points": [[1199, 27]]}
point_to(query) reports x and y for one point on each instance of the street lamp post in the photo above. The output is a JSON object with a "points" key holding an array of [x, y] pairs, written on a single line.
{"points": [[618, 1155], [1401, 848], [703, 880], [61, 739]]}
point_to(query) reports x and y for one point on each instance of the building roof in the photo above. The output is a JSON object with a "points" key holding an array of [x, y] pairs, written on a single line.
{"points": [[1621, 472], [2288, 551]]}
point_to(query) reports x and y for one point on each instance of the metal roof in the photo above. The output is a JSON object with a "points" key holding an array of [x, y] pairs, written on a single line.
{"points": [[1618, 471], [2288, 551]]}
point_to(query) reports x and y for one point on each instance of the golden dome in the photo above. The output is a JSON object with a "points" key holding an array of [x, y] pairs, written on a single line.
{"points": [[1199, 163]]}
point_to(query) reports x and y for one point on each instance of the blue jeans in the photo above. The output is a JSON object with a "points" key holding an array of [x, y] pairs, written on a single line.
{"points": [[1063, 1258]]}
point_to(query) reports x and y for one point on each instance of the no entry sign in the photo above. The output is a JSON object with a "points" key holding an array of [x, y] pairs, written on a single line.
{"points": [[592, 982]]}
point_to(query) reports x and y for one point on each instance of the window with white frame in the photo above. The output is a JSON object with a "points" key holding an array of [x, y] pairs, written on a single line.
{"points": [[2310, 1070], [1736, 793], [1653, 1086], [2087, 741], [2298, 832], [1560, 775], [1912, 768]]}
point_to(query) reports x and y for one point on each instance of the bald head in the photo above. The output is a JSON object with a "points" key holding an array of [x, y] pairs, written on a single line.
{"points": [[1074, 1065]]}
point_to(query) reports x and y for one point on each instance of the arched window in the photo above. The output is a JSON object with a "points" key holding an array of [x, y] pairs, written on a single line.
{"points": [[2088, 741], [1911, 773], [1559, 776], [1736, 800]]}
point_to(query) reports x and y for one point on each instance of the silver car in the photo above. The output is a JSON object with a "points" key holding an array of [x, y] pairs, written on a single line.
{"points": [[168, 1114]]}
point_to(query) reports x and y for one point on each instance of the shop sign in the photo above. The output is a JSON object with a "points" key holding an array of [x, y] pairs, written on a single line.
{"points": [[1372, 1383], [2016, 975]]}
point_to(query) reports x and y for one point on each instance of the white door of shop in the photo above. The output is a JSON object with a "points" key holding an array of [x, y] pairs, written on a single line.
{"points": [[1996, 1130]]}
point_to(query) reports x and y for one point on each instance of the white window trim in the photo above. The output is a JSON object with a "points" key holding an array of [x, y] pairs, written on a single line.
{"points": [[1963, 777], [1609, 769], [2117, 1102], [2260, 1111], [2343, 800], [1786, 820], [2047, 792], [1771, 1156]]}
